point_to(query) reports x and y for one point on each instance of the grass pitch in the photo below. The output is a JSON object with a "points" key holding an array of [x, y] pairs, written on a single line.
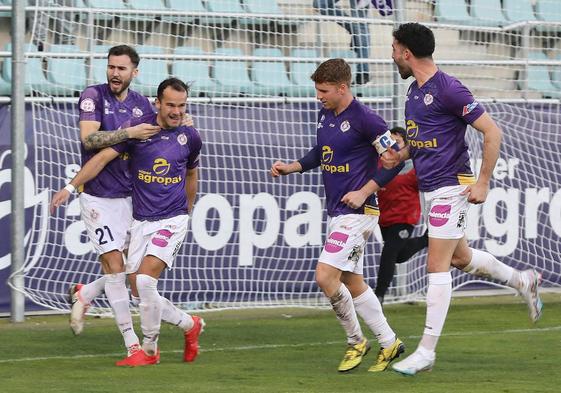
{"points": [[488, 345]]}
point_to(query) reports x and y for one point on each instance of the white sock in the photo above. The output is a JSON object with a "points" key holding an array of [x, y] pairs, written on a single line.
{"points": [[135, 300], [439, 294], [342, 303], [118, 296], [92, 290], [484, 264], [150, 312], [369, 308], [173, 315]]}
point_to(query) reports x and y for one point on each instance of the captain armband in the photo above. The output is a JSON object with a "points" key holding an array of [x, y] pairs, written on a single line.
{"points": [[383, 142]]}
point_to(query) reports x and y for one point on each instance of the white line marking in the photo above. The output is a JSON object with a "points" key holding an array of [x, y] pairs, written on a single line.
{"points": [[274, 346]]}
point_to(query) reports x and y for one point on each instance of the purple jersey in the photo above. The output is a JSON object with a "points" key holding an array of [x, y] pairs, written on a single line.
{"points": [[97, 103], [345, 154], [436, 116], [158, 168]]}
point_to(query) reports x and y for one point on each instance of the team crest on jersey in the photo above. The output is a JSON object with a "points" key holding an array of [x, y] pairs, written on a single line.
{"points": [[137, 112], [345, 126], [182, 139], [88, 105], [469, 108], [428, 99]]}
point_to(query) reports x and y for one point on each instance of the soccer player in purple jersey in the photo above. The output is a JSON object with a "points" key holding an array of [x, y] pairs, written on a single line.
{"points": [[105, 201], [164, 187], [347, 133], [438, 109]]}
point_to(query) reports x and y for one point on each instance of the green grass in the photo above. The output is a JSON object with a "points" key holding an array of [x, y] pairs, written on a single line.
{"points": [[488, 346]]}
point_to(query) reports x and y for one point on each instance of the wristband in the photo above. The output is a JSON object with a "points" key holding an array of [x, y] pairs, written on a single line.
{"points": [[383, 142], [70, 188]]}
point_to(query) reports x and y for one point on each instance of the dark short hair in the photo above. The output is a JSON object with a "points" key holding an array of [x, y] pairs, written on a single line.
{"points": [[175, 83], [401, 131], [419, 39], [125, 50], [333, 71]]}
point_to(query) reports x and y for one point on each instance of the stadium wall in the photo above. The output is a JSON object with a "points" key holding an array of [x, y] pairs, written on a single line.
{"points": [[260, 247]]}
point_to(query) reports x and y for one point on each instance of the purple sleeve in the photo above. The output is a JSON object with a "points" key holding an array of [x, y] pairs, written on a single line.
{"points": [[90, 105], [311, 160], [195, 145], [459, 101], [372, 126]]}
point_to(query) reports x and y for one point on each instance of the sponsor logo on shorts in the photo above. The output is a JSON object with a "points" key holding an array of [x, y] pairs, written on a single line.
{"points": [[161, 238], [336, 242], [462, 220], [439, 215]]}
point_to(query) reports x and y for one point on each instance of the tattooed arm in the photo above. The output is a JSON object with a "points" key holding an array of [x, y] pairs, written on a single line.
{"points": [[93, 139]]}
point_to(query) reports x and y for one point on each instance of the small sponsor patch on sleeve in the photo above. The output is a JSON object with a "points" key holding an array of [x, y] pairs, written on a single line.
{"points": [[87, 105], [469, 108]]}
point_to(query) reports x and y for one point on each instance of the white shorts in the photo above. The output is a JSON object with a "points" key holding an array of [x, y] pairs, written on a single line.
{"points": [[346, 239], [162, 239], [446, 212], [108, 221]]}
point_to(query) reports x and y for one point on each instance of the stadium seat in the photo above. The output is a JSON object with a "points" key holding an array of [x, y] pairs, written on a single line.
{"points": [[270, 76], [151, 71], [548, 11], [231, 75], [99, 65], [5, 87], [68, 75], [263, 7], [186, 6], [152, 5], [556, 75], [34, 76], [453, 11], [518, 10], [539, 78], [223, 6], [488, 12], [110, 4], [194, 72], [300, 72], [366, 90]]}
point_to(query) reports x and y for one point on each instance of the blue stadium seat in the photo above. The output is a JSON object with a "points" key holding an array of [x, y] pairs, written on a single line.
{"points": [[263, 7], [539, 78], [152, 5], [100, 65], [518, 10], [223, 6], [300, 72], [270, 76], [194, 72], [488, 12], [556, 76], [115, 5], [34, 76], [453, 11], [182, 5], [231, 75], [367, 90], [68, 75], [151, 71], [548, 11]]}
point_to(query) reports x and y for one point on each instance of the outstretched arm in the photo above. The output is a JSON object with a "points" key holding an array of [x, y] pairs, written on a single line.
{"points": [[89, 171], [92, 138]]}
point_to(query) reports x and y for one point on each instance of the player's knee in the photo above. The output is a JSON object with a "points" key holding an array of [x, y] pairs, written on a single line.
{"points": [[112, 262]]}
